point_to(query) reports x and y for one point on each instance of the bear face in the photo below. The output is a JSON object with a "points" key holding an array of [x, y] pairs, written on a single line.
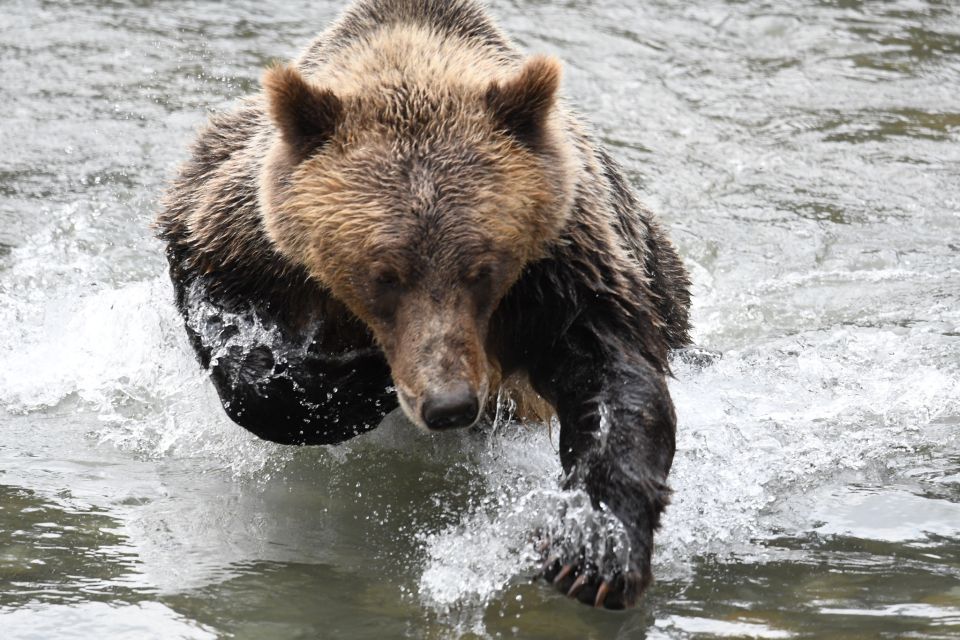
{"points": [[418, 202]]}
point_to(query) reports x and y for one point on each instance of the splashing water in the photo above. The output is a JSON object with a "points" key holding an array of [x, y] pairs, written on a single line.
{"points": [[806, 164]]}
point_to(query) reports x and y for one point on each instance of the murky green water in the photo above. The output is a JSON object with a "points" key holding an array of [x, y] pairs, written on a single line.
{"points": [[807, 159]]}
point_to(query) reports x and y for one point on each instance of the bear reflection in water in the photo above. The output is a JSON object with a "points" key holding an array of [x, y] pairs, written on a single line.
{"points": [[408, 213]]}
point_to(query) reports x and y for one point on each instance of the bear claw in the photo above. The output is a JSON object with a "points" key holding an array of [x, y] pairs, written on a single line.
{"points": [[583, 582], [577, 585], [564, 572], [602, 592]]}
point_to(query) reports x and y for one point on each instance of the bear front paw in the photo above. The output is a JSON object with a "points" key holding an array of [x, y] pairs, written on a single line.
{"points": [[581, 579]]}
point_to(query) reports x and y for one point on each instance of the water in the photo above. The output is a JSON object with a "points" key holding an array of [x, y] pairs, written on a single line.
{"points": [[807, 162]]}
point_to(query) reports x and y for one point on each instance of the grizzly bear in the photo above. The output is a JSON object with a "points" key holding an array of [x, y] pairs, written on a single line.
{"points": [[410, 214]]}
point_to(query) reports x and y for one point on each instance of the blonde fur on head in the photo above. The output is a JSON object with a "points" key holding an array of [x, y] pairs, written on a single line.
{"points": [[404, 97]]}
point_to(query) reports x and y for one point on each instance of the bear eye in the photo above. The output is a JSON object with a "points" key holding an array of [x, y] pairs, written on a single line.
{"points": [[387, 279], [385, 293], [479, 276]]}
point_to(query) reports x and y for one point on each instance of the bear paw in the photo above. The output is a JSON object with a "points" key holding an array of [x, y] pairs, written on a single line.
{"points": [[580, 578]]}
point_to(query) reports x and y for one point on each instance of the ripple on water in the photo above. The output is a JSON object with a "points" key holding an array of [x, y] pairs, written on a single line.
{"points": [[806, 161]]}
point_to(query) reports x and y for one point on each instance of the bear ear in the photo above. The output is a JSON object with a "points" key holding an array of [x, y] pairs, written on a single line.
{"points": [[305, 114], [522, 104]]}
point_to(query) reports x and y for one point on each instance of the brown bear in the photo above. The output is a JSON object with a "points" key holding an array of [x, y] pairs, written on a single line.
{"points": [[410, 214]]}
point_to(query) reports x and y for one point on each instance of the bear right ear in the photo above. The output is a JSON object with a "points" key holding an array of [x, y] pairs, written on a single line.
{"points": [[305, 114], [522, 104]]}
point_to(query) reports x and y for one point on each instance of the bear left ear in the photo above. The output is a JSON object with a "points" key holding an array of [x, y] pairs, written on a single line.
{"points": [[305, 114], [522, 104]]}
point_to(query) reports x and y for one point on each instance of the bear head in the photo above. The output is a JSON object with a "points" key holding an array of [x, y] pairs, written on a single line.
{"points": [[418, 200]]}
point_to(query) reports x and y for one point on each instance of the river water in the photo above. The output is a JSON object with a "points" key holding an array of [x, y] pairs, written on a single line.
{"points": [[806, 158]]}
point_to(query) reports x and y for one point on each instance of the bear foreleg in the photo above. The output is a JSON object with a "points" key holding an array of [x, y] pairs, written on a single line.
{"points": [[303, 399], [617, 440], [281, 386]]}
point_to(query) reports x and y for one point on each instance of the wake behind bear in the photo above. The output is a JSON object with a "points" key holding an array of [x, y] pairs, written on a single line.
{"points": [[409, 214]]}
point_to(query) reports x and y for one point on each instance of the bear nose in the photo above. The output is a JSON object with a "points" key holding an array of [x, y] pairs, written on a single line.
{"points": [[449, 408]]}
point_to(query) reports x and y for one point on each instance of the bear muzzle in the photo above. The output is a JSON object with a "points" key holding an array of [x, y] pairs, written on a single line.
{"points": [[451, 407]]}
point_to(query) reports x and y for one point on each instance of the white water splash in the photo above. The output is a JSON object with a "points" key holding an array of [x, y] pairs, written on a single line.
{"points": [[756, 431], [119, 354]]}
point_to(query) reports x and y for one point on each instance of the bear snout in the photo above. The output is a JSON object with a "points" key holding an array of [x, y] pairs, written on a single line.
{"points": [[452, 407]]}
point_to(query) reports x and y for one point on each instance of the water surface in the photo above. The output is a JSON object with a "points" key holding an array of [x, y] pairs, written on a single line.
{"points": [[806, 159]]}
